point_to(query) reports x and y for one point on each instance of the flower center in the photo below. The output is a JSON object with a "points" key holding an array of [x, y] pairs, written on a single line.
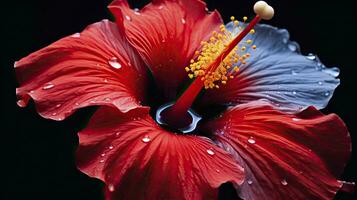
{"points": [[218, 61]]}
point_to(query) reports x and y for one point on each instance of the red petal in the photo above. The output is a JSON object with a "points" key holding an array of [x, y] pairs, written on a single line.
{"points": [[166, 34], [284, 156], [80, 70], [139, 160]]}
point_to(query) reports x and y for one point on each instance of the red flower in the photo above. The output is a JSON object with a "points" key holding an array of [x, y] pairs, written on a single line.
{"points": [[265, 152]]}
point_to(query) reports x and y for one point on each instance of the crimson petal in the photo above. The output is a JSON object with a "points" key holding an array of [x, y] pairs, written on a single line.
{"points": [[95, 67], [284, 156], [137, 159], [166, 34]]}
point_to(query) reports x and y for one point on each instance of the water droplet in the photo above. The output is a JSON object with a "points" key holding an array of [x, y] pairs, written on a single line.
{"points": [[77, 104], [117, 133], [251, 140], [21, 103], [101, 161], [111, 187], [15, 63], [107, 99], [114, 63], [127, 17], [293, 72], [327, 94], [285, 40], [332, 71], [31, 92], [320, 83], [54, 114], [249, 182], [92, 101], [296, 119], [217, 170], [146, 139], [183, 21], [58, 105], [283, 182], [103, 154], [292, 47], [163, 40], [48, 86], [311, 57], [105, 80], [210, 151], [294, 92], [111, 147], [60, 119], [76, 35], [161, 7]]}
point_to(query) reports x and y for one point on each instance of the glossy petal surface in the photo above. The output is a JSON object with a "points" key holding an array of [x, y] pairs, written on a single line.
{"points": [[166, 34], [278, 72], [137, 159], [95, 67], [285, 156]]}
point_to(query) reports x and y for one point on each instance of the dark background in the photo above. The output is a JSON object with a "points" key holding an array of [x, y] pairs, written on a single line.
{"points": [[38, 154]]}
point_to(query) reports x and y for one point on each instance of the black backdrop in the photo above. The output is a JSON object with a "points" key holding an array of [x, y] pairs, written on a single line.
{"points": [[38, 154]]}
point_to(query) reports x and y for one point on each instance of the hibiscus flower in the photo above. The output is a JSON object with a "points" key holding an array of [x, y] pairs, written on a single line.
{"points": [[256, 124]]}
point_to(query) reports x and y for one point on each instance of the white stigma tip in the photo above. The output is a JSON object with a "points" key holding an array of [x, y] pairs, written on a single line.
{"points": [[264, 11]]}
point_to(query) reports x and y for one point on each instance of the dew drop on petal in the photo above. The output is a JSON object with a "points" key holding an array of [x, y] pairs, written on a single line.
{"points": [[76, 35], [249, 182], [217, 170], [111, 187], [21, 103], [311, 57], [292, 47], [54, 114], [110, 147], [101, 161], [183, 21], [58, 105], [105, 80], [77, 104], [103, 154], [117, 133], [293, 72], [31, 92], [48, 86], [137, 13], [127, 17], [114, 63], [161, 7], [319, 83], [283, 182], [107, 99], [251, 140], [296, 119], [294, 92], [146, 139], [327, 94], [210, 151]]}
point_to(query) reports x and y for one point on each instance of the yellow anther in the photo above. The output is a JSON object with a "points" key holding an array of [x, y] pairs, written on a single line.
{"points": [[245, 18], [211, 49], [252, 31], [254, 46]]}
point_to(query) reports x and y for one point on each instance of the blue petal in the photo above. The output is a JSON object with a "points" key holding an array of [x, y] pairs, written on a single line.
{"points": [[278, 72]]}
